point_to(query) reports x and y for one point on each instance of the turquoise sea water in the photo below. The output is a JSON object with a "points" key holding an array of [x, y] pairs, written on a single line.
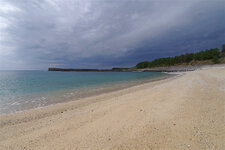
{"points": [[21, 90]]}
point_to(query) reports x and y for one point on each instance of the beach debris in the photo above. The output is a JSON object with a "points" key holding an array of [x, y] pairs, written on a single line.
{"points": [[174, 124]]}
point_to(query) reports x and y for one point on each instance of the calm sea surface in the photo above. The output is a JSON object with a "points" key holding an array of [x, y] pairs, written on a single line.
{"points": [[22, 90]]}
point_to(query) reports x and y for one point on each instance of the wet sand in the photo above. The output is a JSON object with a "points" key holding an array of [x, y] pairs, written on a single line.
{"points": [[183, 112]]}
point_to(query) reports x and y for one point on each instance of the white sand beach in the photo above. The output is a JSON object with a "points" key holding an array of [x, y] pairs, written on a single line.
{"points": [[183, 112]]}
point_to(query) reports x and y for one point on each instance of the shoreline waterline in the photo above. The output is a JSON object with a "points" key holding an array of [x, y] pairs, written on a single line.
{"points": [[68, 95], [73, 105], [139, 117]]}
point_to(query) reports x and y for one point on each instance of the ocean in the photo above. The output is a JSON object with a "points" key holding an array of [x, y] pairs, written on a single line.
{"points": [[23, 90]]}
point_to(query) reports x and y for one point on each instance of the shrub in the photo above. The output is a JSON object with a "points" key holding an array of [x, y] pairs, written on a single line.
{"points": [[215, 60]]}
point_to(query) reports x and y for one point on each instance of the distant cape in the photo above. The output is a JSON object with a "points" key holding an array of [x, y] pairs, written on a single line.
{"points": [[80, 70]]}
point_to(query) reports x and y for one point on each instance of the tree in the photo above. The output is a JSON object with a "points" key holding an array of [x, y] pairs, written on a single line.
{"points": [[211, 54], [142, 64], [222, 54]]}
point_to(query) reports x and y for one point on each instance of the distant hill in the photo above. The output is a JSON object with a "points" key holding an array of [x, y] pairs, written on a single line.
{"points": [[211, 56]]}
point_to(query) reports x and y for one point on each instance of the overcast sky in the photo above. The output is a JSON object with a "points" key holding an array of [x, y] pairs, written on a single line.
{"points": [[37, 34]]}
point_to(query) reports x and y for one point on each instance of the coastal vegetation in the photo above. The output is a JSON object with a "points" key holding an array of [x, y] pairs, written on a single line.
{"points": [[210, 56]]}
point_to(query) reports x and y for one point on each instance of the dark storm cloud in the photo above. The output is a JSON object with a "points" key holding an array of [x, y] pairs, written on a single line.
{"points": [[103, 33]]}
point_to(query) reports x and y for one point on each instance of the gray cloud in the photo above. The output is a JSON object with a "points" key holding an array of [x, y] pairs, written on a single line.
{"points": [[42, 33]]}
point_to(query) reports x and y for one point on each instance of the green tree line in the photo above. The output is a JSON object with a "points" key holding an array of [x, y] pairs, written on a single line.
{"points": [[212, 54]]}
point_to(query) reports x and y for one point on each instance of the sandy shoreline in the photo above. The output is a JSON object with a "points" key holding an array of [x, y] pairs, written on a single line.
{"points": [[185, 112], [72, 94]]}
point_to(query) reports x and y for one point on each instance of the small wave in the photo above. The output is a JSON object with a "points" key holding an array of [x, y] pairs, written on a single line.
{"points": [[15, 103]]}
